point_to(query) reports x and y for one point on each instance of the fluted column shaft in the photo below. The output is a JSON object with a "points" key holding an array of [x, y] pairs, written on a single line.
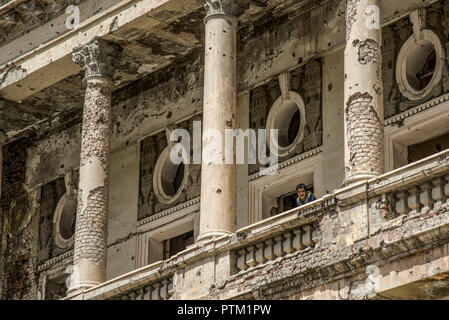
{"points": [[97, 58], [218, 181], [364, 129]]}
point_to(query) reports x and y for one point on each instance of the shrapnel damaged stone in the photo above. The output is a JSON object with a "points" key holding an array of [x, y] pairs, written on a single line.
{"points": [[364, 150], [368, 51], [90, 251]]}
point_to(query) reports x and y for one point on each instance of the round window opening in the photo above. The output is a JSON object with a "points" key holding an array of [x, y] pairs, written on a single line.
{"points": [[64, 220], [67, 222], [420, 66], [172, 176], [169, 179], [287, 116], [287, 122]]}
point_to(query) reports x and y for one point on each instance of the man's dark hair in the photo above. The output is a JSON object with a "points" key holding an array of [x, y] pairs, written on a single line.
{"points": [[301, 186]]}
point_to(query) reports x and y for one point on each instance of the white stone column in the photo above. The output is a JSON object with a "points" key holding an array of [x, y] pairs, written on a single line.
{"points": [[364, 128], [97, 58], [218, 181]]}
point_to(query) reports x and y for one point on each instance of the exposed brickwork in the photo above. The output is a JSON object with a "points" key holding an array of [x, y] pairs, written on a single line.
{"points": [[368, 51], [365, 136], [13, 175], [18, 229], [97, 59], [92, 227], [92, 216]]}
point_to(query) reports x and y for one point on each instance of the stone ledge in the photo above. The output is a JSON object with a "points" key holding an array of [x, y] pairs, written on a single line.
{"points": [[56, 261], [352, 262], [397, 119], [167, 212], [424, 169], [145, 276], [54, 57], [399, 239], [287, 163]]}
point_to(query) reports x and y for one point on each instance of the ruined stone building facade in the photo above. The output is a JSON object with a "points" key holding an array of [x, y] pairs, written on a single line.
{"points": [[92, 207]]}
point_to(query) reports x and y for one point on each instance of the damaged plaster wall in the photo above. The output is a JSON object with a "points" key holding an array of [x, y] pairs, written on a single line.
{"points": [[122, 221], [52, 157], [158, 100], [333, 132], [18, 228]]}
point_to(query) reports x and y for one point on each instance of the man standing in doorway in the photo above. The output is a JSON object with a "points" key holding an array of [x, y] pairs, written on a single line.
{"points": [[304, 196]]}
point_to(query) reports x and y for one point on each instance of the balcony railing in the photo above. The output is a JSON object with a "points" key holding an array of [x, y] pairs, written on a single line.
{"points": [[157, 290], [290, 241], [420, 189]]}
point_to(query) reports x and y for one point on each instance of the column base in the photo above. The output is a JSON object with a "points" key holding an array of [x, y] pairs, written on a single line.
{"points": [[212, 235], [357, 178], [86, 274], [78, 288]]}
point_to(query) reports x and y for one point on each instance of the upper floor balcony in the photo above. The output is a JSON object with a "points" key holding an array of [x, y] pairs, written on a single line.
{"points": [[368, 241], [379, 238]]}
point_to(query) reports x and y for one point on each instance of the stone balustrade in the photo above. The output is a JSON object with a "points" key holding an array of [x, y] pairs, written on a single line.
{"points": [[152, 282], [158, 290], [420, 186], [274, 247], [304, 236], [279, 236], [423, 197]]}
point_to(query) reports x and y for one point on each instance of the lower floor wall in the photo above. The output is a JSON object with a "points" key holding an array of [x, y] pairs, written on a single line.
{"points": [[421, 276]]}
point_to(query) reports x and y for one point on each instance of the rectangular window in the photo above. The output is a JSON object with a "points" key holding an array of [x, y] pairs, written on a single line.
{"points": [[427, 148], [177, 244]]}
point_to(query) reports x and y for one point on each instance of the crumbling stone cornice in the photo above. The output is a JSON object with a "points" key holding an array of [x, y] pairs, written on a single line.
{"points": [[20, 16], [24, 121]]}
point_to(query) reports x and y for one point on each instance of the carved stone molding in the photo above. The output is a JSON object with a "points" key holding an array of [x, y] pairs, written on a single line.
{"points": [[98, 58], [220, 7], [399, 118]]}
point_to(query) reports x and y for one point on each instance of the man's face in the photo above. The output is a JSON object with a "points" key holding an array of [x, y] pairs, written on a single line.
{"points": [[302, 193]]}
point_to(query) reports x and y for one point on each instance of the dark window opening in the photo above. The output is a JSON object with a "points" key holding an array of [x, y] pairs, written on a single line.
{"points": [[427, 148], [56, 288], [177, 244], [287, 202], [178, 177], [294, 127], [68, 219], [172, 177], [426, 74]]}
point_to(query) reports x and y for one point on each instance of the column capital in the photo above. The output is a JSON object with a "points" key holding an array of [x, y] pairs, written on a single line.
{"points": [[98, 58], [220, 8]]}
